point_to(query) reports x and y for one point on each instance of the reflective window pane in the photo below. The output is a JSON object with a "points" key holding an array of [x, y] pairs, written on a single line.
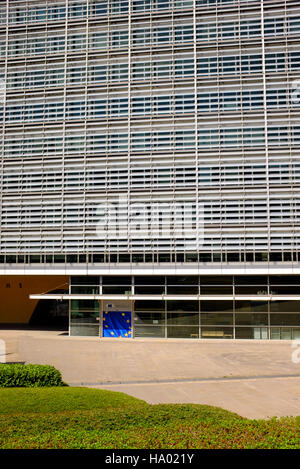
{"points": [[244, 319], [187, 332], [215, 319], [149, 331], [182, 318]]}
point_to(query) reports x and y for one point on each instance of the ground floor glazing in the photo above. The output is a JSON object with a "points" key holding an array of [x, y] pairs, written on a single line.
{"points": [[190, 307]]}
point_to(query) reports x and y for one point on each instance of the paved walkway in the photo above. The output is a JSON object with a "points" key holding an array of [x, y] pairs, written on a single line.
{"points": [[256, 379], [252, 398]]}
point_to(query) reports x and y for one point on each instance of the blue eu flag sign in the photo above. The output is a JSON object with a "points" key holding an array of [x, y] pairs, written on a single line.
{"points": [[117, 324]]}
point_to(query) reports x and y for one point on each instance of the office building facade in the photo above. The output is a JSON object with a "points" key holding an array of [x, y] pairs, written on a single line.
{"points": [[151, 159]]}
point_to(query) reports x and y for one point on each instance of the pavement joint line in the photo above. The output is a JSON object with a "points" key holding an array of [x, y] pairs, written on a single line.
{"points": [[185, 380]]}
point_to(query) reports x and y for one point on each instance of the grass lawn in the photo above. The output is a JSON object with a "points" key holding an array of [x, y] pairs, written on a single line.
{"points": [[90, 418]]}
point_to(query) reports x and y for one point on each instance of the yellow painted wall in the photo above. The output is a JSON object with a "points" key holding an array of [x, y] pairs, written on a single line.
{"points": [[15, 304]]}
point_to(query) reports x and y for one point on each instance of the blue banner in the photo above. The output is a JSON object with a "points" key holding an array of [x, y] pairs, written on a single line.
{"points": [[117, 324]]}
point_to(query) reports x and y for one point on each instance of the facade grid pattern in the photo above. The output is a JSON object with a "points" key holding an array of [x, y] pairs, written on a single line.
{"points": [[177, 101]]}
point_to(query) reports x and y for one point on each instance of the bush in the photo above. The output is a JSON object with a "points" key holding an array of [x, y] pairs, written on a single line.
{"points": [[25, 376], [83, 418]]}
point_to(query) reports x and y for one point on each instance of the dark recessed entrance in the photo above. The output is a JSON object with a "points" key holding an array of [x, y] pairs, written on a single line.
{"points": [[51, 313]]}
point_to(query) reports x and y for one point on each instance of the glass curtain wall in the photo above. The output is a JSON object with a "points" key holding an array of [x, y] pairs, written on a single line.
{"points": [[225, 313]]}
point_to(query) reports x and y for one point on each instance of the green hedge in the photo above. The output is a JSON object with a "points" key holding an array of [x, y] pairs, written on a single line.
{"points": [[12, 376]]}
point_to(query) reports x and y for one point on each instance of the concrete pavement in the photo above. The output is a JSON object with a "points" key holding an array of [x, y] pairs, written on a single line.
{"points": [[251, 397]]}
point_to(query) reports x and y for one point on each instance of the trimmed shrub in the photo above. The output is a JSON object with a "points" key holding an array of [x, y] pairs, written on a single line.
{"points": [[25, 376]]}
